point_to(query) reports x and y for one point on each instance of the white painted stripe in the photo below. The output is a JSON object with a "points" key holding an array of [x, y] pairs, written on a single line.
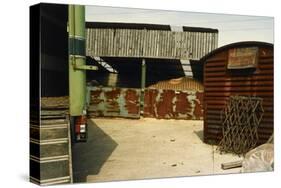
{"points": [[52, 141], [49, 159], [63, 126], [51, 181]]}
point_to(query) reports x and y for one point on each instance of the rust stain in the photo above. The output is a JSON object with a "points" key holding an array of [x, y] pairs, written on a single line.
{"points": [[114, 102], [165, 105], [171, 104], [149, 101], [112, 94], [131, 101], [162, 104], [182, 105], [112, 106], [199, 108], [95, 97], [96, 93]]}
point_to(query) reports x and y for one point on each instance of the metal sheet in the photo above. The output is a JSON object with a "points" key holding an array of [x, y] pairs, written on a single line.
{"points": [[239, 58], [114, 102], [220, 83], [172, 104]]}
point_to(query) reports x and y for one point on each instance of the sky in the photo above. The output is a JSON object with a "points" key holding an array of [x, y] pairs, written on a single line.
{"points": [[232, 28]]}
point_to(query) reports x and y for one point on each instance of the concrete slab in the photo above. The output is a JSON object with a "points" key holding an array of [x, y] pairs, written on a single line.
{"points": [[126, 149]]}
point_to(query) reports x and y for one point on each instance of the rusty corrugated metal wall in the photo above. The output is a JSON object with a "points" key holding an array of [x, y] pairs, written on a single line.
{"points": [[161, 104], [220, 83], [113, 102], [173, 104], [150, 43]]}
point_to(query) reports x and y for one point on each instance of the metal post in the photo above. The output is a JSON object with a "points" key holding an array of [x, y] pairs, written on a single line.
{"points": [[143, 74], [77, 58], [143, 79]]}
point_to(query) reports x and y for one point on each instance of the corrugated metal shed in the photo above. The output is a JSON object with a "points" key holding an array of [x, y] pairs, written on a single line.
{"points": [[220, 82], [193, 43]]}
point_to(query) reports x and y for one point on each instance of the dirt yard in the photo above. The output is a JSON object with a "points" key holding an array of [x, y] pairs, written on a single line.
{"points": [[126, 149]]}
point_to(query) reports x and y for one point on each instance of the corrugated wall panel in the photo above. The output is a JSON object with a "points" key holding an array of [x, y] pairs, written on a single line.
{"points": [[173, 104], [148, 43], [220, 83], [113, 102]]}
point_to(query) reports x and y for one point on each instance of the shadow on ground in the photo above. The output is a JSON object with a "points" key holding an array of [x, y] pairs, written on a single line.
{"points": [[89, 157], [200, 134]]}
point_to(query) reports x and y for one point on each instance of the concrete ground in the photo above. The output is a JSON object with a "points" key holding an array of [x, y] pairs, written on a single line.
{"points": [[126, 149]]}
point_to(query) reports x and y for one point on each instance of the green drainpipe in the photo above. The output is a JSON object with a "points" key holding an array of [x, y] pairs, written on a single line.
{"points": [[77, 58]]}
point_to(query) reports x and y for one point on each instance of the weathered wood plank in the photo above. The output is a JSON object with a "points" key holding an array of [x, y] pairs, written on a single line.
{"points": [[229, 165]]}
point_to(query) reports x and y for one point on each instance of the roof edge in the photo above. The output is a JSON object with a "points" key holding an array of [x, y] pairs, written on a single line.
{"points": [[148, 26], [235, 45]]}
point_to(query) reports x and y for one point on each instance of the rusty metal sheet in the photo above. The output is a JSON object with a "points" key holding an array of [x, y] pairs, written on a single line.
{"points": [[171, 104], [239, 58], [114, 102]]}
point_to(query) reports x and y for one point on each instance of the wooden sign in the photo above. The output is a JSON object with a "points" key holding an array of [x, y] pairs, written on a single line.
{"points": [[241, 58]]}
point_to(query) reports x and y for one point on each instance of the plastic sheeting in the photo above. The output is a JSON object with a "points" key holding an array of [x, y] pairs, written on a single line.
{"points": [[259, 159]]}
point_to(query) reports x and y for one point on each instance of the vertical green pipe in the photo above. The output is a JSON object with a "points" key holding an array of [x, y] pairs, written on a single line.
{"points": [[76, 45], [143, 78]]}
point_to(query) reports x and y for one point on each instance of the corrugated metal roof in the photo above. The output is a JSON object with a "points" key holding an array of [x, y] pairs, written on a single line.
{"points": [[149, 43], [182, 83], [122, 25]]}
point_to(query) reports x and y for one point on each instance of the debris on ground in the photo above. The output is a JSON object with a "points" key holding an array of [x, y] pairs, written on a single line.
{"points": [[230, 165], [173, 165], [172, 140]]}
